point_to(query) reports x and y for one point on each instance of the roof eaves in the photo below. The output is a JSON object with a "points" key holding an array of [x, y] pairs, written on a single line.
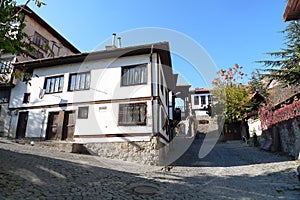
{"points": [[161, 48]]}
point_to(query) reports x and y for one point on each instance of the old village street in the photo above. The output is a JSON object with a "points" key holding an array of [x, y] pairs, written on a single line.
{"points": [[231, 171]]}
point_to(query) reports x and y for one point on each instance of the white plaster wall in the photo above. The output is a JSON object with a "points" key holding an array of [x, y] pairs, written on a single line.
{"points": [[105, 83], [254, 125], [200, 106], [105, 121]]}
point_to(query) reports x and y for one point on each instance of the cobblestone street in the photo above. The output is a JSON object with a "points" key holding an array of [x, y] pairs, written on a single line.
{"points": [[231, 171]]}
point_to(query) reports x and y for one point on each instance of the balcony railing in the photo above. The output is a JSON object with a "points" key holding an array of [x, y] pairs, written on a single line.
{"points": [[5, 67]]}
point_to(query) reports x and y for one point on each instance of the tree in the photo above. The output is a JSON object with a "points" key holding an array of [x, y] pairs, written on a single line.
{"points": [[256, 83], [11, 26], [286, 66], [12, 37], [231, 96]]}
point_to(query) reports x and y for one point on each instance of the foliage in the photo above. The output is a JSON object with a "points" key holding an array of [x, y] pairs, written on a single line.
{"points": [[11, 26], [233, 99], [269, 116], [286, 65], [12, 37], [256, 84]]}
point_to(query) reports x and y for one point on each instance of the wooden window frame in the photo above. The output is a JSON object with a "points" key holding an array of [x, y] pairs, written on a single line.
{"points": [[77, 76], [133, 106], [132, 67], [60, 89], [37, 42]]}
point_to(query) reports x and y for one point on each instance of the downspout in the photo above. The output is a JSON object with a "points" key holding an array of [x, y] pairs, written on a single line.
{"points": [[152, 99]]}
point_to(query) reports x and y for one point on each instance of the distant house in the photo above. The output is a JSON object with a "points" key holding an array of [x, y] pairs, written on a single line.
{"points": [[252, 119], [45, 40], [200, 99], [182, 92], [113, 95]]}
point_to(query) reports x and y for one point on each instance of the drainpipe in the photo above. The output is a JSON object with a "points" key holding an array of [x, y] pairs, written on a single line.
{"points": [[152, 99]]}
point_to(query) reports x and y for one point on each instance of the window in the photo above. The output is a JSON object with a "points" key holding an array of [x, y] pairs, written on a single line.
{"points": [[79, 81], [196, 100], [203, 100], [161, 83], [40, 41], [163, 119], [83, 112], [54, 84], [134, 75], [5, 66], [132, 114], [26, 98], [4, 96], [209, 99]]}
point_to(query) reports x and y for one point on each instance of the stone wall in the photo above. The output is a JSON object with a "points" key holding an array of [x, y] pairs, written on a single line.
{"points": [[285, 136], [151, 152]]}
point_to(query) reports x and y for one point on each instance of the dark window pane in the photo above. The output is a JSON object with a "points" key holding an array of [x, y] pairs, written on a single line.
{"points": [[26, 97], [209, 99], [203, 100], [83, 112], [196, 100], [4, 96]]}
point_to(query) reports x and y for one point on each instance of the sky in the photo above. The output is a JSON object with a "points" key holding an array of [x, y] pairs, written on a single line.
{"points": [[228, 31]]}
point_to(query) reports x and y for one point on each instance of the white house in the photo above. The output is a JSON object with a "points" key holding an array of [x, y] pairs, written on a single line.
{"points": [[113, 95], [200, 99]]}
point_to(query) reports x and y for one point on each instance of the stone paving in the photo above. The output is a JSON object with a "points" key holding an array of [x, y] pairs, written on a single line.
{"points": [[230, 171]]}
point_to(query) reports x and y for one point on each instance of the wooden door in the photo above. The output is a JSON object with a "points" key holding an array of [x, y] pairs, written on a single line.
{"points": [[68, 125], [53, 126], [22, 124]]}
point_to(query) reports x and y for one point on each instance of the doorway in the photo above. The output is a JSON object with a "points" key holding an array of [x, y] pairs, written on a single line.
{"points": [[68, 125], [22, 124], [61, 125]]}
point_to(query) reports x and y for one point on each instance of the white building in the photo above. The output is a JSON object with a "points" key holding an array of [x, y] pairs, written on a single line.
{"points": [[200, 99], [114, 95]]}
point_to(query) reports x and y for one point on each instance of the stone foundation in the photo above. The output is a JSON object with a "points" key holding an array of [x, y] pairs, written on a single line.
{"points": [[150, 153]]}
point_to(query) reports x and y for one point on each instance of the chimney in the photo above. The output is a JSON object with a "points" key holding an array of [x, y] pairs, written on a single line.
{"points": [[113, 41], [119, 42]]}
